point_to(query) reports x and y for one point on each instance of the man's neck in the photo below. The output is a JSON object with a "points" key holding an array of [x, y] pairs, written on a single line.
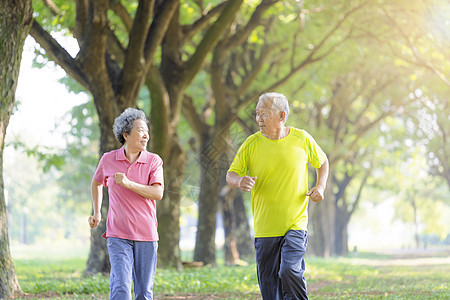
{"points": [[278, 134]]}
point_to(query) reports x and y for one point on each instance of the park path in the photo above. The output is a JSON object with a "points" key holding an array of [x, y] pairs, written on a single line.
{"points": [[407, 257]]}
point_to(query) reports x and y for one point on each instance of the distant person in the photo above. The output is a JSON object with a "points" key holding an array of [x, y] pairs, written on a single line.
{"points": [[273, 165], [134, 178]]}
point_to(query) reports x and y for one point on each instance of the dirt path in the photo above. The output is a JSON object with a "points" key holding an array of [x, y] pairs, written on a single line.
{"points": [[407, 257]]}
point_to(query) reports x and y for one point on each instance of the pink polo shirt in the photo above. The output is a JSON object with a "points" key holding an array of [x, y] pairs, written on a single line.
{"points": [[130, 215]]}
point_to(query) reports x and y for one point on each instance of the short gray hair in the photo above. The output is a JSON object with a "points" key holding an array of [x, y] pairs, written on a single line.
{"points": [[124, 122], [279, 102]]}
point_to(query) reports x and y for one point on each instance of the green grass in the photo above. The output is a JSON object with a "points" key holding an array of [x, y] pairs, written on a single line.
{"points": [[59, 276], [368, 276], [342, 279]]}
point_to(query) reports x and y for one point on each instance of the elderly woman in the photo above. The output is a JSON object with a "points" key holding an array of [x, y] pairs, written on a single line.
{"points": [[134, 178]]}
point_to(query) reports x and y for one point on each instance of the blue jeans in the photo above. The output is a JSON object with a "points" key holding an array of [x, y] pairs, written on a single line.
{"points": [[131, 259], [280, 265]]}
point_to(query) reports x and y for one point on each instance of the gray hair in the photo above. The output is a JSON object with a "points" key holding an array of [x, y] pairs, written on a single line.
{"points": [[124, 122], [279, 102]]}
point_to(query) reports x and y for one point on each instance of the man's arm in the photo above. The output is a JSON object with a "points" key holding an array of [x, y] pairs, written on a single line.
{"points": [[245, 183], [97, 195], [316, 194], [154, 191]]}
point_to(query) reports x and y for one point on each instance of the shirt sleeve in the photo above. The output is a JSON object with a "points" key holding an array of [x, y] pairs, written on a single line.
{"points": [[99, 174], [316, 156], [239, 164], [157, 172]]}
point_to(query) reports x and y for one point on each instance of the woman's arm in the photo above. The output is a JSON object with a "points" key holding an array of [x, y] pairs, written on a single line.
{"points": [[154, 191]]}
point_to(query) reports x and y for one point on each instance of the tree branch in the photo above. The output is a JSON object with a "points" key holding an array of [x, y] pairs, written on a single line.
{"points": [[120, 10], [93, 48], [52, 7], [420, 60], [358, 195], [58, 54], [341, 187], [250, 78], [134, 67], [160, 112], [241, 36], [309, 59], [82, 8], [115, 48], [210, 39], [160, 23], [193, 117], [190, 30]]}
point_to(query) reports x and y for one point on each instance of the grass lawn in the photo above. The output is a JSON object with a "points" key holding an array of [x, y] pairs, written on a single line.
{"points": [[366, 276]]}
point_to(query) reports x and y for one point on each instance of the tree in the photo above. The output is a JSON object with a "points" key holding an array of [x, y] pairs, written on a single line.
{"points": [[420, 198], [15, 21], [213, 141], [167, 82], [256, 56], [426, 47], [111, 70], [433, 124], [349, 105], [361, 96], [114, 62]]}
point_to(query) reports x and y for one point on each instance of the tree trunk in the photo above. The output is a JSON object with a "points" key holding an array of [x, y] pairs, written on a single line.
{"points": [[238, 241], [245, 245], [177, 74], [168, 209], [15, 20], [416, 223], [165, 142], [342, 220], [205, 248], [98, 261], [322, 219], [229, 221]]}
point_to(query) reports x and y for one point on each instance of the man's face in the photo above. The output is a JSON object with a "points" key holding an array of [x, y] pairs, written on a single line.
{"points": [[269, 119], [138, 136]]}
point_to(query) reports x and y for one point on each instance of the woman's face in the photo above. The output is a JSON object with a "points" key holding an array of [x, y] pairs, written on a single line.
{"points": [[138, 137]]}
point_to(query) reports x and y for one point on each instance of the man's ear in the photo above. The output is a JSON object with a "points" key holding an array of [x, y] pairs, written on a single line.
{"points": [[282, 116]]}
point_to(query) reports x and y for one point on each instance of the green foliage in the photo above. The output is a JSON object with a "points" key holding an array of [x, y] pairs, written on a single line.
{"points": [[30, 199], [53, 192], [81, 154], [55, 20], [45, 155]]}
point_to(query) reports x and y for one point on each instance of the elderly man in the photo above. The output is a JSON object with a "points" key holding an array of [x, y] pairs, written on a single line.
{"points": [[272, 164]]}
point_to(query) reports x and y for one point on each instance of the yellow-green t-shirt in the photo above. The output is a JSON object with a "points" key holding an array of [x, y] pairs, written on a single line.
{"points": [[279, 203]]}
